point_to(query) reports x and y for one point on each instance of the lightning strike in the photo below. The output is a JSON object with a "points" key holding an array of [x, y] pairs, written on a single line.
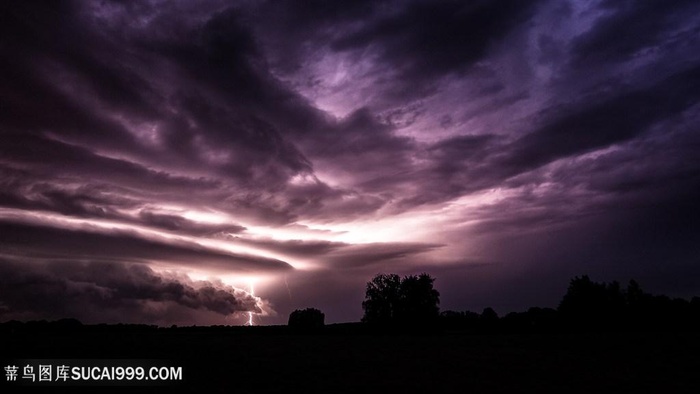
{"points": [[250, 313], [287, 284]]}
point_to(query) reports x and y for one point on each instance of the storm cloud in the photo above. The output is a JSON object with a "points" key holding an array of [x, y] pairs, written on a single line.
{"points": [[504, 145], [134, 290]]}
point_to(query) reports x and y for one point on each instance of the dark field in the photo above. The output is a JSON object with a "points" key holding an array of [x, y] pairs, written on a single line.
{"points": [[341, 360]]}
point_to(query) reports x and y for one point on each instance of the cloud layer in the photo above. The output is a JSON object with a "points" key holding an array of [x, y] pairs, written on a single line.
{"points": [[115, 292], [324, 142]]}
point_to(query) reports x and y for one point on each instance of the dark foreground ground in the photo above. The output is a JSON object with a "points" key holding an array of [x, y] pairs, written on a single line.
{"points": [[268, 360]]}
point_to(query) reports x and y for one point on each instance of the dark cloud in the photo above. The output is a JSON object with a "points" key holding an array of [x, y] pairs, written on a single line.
{"points": [[459, 164], [394, 51], [342, 255], [641, 176], [364, 150], [294, 247], [607, 122], [472, 163], [179, 224], [82, 290], [637, 28], [21, 191], [373, 255], [55, 60], [95, 244], [286, 24], [425, 40], [218, 62]]}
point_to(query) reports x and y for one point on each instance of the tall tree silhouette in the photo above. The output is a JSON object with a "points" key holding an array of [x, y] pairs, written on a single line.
{"points": [[587, 303], [390, 300], [382, 299]]}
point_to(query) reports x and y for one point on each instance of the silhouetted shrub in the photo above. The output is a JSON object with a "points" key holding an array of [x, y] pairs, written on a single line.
{"points": [[306, 318]]}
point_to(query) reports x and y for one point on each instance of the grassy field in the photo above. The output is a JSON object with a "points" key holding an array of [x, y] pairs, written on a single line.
{"points": [[259, 360]]}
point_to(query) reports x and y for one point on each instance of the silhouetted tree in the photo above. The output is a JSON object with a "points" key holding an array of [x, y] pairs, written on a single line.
{"points": [[637, 304], [489, 314], [390, 300], [382, 299], [418, 301], [587, 304], [306, 318], [488, 320]]}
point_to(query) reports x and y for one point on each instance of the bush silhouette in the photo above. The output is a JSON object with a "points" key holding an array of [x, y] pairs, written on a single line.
{"points": [[306, 318]]}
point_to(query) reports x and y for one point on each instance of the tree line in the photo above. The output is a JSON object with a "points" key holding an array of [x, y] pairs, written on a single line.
{"points": [[412, 303]]}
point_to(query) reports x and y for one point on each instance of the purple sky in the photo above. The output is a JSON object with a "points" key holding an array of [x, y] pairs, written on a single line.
{"points": [[189, 162]]}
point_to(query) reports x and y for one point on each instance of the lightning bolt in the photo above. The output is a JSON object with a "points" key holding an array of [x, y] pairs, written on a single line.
{"points": [[250, 314], [287, 284]]}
